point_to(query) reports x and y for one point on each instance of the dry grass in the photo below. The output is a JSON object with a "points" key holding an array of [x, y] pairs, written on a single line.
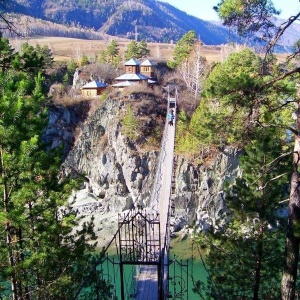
{"points": [[65, 49], [66, 100], [142, 89]]}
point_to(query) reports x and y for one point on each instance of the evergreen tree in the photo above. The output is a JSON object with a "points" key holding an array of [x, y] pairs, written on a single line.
{"points": [[42, 254], [113, 49], [249, 18], [236, 99], [132, 50], [46, 54], [72, 66], [84, 61], [183, 48], [67, 74], [142, 49], [255, 18], [6, 54], [103, 56], [130, 123], [185, 140], [110, 55], [113, 53], [32, 60], [137, 50], [246, 253]]}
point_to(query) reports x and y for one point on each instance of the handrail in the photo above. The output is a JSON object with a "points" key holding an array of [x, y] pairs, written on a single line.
{"points": [[162, 153], [154, 205], [98, 261], [166, 247]]}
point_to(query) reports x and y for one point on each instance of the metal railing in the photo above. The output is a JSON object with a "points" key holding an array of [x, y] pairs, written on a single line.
{"points": [[154, 208]]}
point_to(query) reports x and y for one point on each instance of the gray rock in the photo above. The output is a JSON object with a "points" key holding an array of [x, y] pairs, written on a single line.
{"points": [[119, 177]]}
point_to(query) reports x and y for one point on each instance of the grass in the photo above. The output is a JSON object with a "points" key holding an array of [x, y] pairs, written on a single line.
{"points": [[66, 49]]}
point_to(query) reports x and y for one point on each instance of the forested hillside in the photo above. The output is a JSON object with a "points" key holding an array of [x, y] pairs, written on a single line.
{"points": [[120, 18]]}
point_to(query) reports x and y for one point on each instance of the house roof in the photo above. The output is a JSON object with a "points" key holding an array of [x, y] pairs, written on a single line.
{"points": [[132, 62], [132, 76], [124, 83], [94, 84], [147, 63], [150, 81]]}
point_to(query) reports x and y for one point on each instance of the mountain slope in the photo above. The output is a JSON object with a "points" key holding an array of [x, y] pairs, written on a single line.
{"points": [[151, 20]]}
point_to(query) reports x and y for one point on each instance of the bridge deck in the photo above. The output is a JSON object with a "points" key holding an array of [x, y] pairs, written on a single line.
{"points": [[147, 280]]}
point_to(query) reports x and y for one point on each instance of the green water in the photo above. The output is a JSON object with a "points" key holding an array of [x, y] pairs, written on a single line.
{"points": [[182, 274], [185, 269], [190, 272]]}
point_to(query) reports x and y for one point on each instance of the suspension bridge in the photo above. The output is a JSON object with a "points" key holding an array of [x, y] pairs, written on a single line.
{"points": [[142, 241]]}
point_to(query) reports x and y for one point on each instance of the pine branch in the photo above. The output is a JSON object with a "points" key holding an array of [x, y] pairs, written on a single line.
{"points": [[280, 32], [283, 76], [285, 200], [272, 179], [277, 159], [278, 126]]}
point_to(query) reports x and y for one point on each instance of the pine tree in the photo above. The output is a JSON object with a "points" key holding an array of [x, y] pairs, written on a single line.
{"points": [[32, 60], [130, 123], [142, 49], [256, 18], [236, 99], [131, 51], [6, 54], [246, 253], [113, 53], [42, 254], [182, 49]]}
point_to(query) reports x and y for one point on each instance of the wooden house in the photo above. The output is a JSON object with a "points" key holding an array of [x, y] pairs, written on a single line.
{"points": [[147, 68], [135, 72], [93, 88], [132, 66]]}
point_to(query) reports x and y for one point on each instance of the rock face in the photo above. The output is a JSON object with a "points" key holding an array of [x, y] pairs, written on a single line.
{"points": [[63, 125], [116, 174], [119, 176], [78, 82], [198, 193]]}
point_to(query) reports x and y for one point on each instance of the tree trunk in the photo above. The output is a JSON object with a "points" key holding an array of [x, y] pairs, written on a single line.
{"points": [[5, 199], [289, 276], [258, 262], [22, 258]]}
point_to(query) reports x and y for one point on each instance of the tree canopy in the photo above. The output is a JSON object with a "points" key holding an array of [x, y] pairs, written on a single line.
{"points": [[183, 48], [43, 252], [248, 16], [248, 99], [136, 50]]}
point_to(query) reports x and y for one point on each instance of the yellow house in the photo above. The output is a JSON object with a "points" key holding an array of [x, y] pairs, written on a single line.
{"points": [[93, 88], [147, 68]]}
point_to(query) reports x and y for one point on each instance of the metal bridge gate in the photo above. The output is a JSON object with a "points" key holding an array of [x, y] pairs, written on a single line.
{"points": [[139, 244]]}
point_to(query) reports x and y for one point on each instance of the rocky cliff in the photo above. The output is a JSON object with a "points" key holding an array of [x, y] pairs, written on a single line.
{"points": [[120, 175], [198, 190]]}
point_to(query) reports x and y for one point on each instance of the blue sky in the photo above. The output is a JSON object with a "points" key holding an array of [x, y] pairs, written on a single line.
{"points": [[203, 9]]}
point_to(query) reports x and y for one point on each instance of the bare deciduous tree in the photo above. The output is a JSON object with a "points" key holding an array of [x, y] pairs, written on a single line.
{"points": [[193, 70], [227, 49]]}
